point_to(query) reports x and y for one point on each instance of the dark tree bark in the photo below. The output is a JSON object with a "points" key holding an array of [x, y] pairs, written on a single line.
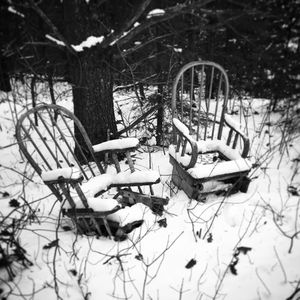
{"points": [[93, 96], [90, 73]]}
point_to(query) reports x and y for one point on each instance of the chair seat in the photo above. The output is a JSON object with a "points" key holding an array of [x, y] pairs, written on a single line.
{"points": [[218, 146], [220, 168], [216, 169], [122, 215], [102, 182]]}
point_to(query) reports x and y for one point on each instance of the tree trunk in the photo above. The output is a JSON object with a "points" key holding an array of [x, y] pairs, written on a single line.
{"points": [[160, 116], [93, 96], [89, 70]]}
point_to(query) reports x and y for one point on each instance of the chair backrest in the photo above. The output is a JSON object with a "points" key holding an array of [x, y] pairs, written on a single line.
{"points": [[199, 98], [46, 136]]}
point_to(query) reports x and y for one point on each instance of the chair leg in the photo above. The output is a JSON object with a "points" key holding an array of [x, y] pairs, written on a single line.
{"points": [[245, 184], [239, 184], [156, 204]]}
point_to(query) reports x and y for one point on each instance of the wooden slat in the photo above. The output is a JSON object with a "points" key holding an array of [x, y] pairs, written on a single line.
{"points": [[54, 124], [229, 137], [67, 195], [36, 148], [181, 94], [43, 140], [78, 147], [235, 140], [116, 162], [217, 106], [184, 147], [191, 99], [130, 162], [107, 227]]}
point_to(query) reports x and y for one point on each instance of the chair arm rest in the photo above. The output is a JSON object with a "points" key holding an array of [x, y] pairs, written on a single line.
{"points": [[183, 133], [62, 175], [117, 145], [235, 127]]}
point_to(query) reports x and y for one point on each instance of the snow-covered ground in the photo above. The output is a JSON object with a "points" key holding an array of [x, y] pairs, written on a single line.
{"points": [[241, 247]]}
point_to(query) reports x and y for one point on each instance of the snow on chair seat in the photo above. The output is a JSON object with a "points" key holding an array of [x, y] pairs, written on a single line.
{"points": [[200, 171], [220, 168], [122, 215], [101, 183], [218, 146]]}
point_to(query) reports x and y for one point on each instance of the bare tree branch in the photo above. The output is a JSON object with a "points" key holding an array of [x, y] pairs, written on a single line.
{"points": [[53, 27], [170, 13]]}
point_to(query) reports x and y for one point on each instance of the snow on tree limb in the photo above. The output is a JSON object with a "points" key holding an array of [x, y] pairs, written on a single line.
{"points": [[88, 43], [14, 11], [156, 13], [51, 38], [170, 13], [52, 26]]}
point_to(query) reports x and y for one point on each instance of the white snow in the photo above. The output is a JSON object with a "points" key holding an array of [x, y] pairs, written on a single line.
{"points": [[119, 37], [180, 126], [184, 160], [155, 13], [178, 50], [220, 168], [51, 38], [123, 216], [229, 120], [88, 43], [217, 145], [118, 144], [91, 41], [14, 11], [66, 173], [208, 145], [151, 264], [103, 182]]}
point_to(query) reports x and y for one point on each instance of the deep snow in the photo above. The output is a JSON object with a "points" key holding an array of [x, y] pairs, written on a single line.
{"points": [[194, 257]]}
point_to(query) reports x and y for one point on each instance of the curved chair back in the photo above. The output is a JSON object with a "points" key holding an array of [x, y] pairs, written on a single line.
{"points": [[46, 136], [199, 98]]}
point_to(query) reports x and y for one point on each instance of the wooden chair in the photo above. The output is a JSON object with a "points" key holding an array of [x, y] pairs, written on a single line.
{"points": [[208, 150], [49, 135]]}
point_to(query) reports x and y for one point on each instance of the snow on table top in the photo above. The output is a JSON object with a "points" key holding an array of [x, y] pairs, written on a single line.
{"points": [[220, 168], [67, 173], [118, 144], [103, 182]]}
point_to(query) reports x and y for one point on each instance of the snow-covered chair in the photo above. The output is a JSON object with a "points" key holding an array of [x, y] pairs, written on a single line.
{"points": [[55, 143], [208, 150]]}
